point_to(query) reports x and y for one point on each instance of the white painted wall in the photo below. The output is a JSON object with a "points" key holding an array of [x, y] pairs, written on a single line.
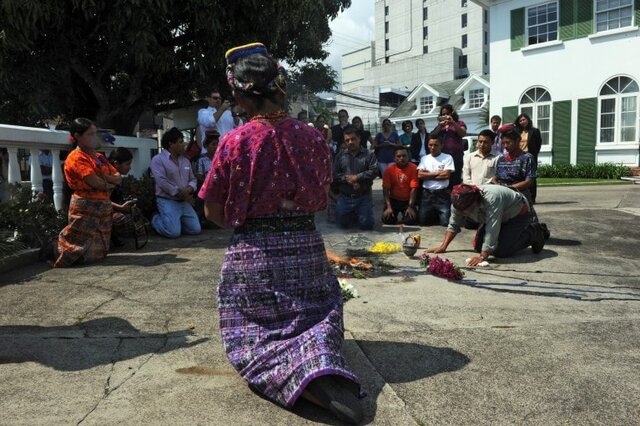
{"points": [[569, 70], [354, 66], [34, 139]]}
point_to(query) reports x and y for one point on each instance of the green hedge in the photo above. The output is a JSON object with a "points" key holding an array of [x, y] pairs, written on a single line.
{"points": [[34, 221], [584, 171]]}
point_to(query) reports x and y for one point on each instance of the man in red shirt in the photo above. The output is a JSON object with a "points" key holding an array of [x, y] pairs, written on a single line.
{"points": [[400, 187]]}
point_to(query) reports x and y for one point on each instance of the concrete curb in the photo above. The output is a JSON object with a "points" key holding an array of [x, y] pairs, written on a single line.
{"points": [[19, 259]]}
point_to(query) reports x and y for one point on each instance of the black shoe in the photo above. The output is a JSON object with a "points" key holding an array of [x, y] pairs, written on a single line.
{"points": [[537, 238], [335, 396], [117, 242], [545, 231]]}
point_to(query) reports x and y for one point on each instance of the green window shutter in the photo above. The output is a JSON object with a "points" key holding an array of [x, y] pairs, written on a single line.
{"points": [[567, 20], [509, 114], [587, 130], [584, 25], [637, 13], [517, 29], [561, 132]]}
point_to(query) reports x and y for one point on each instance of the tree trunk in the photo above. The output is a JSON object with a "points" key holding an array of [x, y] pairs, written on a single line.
{"points": [[122, 121]]}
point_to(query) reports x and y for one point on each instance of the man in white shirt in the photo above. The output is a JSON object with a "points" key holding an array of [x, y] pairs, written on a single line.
{"points": [[216, 117], [434, 171], [480, 165]]}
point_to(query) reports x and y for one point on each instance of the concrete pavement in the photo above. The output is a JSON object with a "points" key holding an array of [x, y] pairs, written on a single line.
{"points": [[534, 339]]}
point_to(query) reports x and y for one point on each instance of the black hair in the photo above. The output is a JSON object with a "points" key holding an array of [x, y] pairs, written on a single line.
{"points": [[400, 147], [419, 120], [517, 122], [210, 138], [435, 135], [260, 70], [512, 134], [454, 114], [350, 130], [409, 122], [496, 117], [121, 155], [487, 132], [172, 135], [345, 111], [79, 126], [385, 120], [302, 113], [357, 117]]}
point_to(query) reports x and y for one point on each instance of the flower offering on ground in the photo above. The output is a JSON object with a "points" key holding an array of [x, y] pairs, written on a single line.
{"points": [[348, 291], [441, 267], [383, 247]]}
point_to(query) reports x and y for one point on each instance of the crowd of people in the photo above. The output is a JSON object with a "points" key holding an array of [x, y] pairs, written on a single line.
{"points": [[267, 178]]}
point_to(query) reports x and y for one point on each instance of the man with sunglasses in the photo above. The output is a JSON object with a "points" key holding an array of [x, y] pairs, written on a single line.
{"points": [[216, 118]]}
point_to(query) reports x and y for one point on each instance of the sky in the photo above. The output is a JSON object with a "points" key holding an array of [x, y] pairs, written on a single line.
{"points": [[352, 29]]}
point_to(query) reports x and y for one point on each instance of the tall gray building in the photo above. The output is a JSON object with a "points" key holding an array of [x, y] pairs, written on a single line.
{"points": [[416, 41]]}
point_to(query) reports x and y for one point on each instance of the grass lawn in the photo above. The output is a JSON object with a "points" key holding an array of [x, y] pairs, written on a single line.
{"points": [[580, 181]]}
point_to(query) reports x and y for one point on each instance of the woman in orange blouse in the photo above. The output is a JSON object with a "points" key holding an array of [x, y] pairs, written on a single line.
{"points": [[91, 178]]}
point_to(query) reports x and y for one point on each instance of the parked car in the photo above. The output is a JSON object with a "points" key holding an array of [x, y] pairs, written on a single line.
{"points": [[470, 142]]}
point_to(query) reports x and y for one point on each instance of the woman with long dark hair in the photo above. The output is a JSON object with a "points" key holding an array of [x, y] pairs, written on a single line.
{"points": [[531, 142], [452, 130], [91, 178], [365, 135], [385, 144], [515, 168], [279, 301]]}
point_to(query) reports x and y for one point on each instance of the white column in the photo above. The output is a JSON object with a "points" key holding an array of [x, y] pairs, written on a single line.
{"points": [[14, 168], [36, 173], [56, 177], [160, 133], [573, 147]]}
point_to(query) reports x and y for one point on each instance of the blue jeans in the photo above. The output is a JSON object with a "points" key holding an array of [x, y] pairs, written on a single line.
{"points": [[435, 205], [382, 167], [360, 208], [175, 218]]}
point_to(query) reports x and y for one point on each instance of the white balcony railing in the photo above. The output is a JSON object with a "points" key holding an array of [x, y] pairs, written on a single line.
{"points": [[34, 139]]}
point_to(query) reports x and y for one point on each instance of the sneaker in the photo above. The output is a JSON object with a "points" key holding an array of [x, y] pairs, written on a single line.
{"points": [[537, 238]]}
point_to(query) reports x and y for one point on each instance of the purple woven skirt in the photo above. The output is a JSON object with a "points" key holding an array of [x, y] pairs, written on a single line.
{"points": [[281, 311]]}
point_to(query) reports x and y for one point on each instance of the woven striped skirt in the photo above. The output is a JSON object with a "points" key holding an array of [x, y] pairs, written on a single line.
{"points": [[86, 237], [281, 307]]}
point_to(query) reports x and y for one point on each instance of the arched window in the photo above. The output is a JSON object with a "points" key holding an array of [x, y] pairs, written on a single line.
{"points": [[536, 102], [618, 104]]}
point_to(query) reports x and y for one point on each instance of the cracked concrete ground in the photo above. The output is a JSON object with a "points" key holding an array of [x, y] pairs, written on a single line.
{"points": [[534, 339]]}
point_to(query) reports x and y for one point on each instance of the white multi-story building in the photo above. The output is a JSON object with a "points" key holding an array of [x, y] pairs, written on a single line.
{"points": [[574, 67], [416, 42]]}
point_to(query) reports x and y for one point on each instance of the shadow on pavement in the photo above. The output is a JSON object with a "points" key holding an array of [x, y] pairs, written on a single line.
{"points": [[86, 345], [152, 259], [555, 203], [562, 242], [538, 287], [401, 362], [525, 256], [395, 362], [20, 275]]}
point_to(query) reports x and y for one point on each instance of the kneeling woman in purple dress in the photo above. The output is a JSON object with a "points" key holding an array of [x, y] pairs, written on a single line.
{"points": [[280, 303]]}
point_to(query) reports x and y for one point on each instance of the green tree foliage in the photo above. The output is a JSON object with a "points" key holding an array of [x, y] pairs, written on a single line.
{"points": [[112, 59], [313, 77]]}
